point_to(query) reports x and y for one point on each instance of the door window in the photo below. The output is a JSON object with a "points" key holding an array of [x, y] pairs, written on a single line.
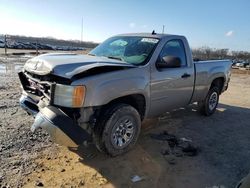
{"points": [[174, 48]]}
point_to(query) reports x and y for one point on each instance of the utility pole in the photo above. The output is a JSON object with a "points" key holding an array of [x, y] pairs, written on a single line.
{"points": [[81, 29], [36, 47], [5, 44], [163, 27]]}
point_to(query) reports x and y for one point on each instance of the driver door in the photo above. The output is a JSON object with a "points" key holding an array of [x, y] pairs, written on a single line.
{"points": [[171, 88]]}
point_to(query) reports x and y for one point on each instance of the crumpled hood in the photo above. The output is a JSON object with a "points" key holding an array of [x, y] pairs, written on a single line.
{"points": [[67, 65]]}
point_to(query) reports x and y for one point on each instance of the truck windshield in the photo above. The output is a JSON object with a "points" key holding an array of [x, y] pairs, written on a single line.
{"points": [[131, 49]]}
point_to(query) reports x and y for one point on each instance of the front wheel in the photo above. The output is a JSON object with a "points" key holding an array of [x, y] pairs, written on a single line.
{"points": [[209, 105], [120, 127]]}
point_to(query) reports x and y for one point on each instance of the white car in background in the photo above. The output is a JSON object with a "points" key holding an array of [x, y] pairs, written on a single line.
{"points": [[242, 64]]}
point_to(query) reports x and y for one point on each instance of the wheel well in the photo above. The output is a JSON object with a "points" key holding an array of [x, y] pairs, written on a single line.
{"points": [[136, 100], [218, 82]]}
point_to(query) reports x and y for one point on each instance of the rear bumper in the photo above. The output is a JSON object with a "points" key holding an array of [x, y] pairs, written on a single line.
{"points": [[61, 128]]}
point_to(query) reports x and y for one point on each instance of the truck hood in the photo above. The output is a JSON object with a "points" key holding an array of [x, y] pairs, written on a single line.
{"points": [[68, 65]]}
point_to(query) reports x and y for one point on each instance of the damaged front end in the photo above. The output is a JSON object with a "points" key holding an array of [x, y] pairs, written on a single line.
{"points": [[60, 127], [38, 100], [56, 104]]}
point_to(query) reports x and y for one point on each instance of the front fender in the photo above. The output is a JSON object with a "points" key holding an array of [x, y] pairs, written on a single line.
{"points": [[110, 90], [103, 88]]}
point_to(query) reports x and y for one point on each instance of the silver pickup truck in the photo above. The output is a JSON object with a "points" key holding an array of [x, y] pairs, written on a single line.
{"points": [[104, 96]]}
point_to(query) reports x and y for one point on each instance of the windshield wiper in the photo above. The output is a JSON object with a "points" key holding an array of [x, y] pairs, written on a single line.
{"points": [[113, 57], [110, 57]]}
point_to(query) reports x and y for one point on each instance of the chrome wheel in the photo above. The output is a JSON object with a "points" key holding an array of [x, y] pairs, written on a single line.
{"points": [[213, 100], [123, 132]]}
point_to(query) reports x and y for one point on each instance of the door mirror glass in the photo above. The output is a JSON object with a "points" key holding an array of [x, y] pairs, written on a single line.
{"points": [[169, 62]]}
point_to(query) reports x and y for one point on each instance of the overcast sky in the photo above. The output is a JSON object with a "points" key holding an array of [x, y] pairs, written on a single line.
{"points": [[218, 24]]}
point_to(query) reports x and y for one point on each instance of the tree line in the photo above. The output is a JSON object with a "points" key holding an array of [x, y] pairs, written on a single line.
{"points": [[207, 53], [50, 41]]}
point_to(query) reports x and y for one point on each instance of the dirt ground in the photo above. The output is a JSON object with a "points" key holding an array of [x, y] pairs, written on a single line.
{"points": [[31, 160]]}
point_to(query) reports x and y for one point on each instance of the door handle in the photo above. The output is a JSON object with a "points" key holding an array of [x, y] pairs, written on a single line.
{"points": [[185, 75]]}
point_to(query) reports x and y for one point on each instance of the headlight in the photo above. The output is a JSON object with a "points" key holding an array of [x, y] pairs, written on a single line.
{"points": [[69, 96]]}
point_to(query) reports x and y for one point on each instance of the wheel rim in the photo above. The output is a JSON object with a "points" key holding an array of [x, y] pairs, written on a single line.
{"points": [[123, 132], [213, 100]]}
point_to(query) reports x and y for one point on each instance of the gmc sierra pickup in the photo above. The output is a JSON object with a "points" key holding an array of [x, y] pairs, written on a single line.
{"points": [[104, 96]]}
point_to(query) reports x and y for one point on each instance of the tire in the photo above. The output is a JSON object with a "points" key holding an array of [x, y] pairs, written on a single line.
{"points": [[118, 129], [209, 105]]}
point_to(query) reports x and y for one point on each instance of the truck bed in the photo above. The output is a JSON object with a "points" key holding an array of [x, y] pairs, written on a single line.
{"points": [[206, 71]]}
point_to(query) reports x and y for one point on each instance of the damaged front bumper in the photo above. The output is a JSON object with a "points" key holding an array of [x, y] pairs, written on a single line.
{"points": [[61, 128]]}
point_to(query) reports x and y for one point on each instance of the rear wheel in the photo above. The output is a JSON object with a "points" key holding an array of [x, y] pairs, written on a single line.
{"points": [[119, 129], [209, 105]]}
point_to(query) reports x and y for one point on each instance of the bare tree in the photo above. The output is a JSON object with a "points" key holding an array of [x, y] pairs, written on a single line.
{"points": [[207, 53]]}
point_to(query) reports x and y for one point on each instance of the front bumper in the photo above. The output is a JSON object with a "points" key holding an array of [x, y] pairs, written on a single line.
{"points": [[61, 128]]}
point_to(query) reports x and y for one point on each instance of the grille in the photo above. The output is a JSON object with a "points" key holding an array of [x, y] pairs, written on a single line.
{"points": [[35, 86]]}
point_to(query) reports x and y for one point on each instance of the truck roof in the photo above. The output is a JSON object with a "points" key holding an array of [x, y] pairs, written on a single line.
{"points": [[150, 35]]}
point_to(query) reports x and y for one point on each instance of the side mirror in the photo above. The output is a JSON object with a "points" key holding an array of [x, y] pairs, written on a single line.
{"points": [[169, 62]]}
